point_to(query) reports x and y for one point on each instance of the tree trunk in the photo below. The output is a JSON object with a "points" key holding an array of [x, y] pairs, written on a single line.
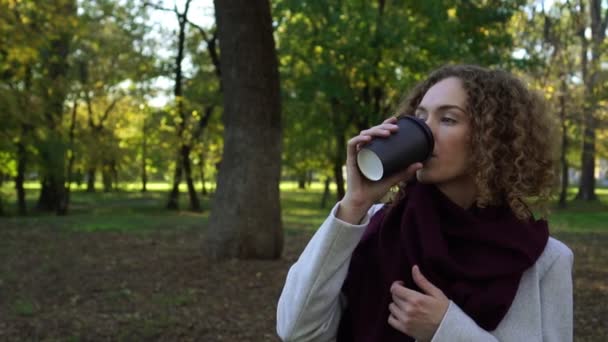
{"points": [[106, 177], [52, 149], [586, 191], [326, 193], [302, 180], [173, 202], [204, 191], [20, 178], [339, 161], [309, 179], [71, 156], [563, 196], [243, 224], [195, 204], [591, 77], [144, 156], [91, 180], [114, 173], [53, 194]]}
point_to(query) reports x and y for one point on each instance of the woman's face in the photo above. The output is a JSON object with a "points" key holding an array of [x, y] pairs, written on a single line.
{"points": [[443, 108]]}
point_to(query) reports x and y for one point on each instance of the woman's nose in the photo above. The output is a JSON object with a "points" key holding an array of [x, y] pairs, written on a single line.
{"points": [[432, 125]]}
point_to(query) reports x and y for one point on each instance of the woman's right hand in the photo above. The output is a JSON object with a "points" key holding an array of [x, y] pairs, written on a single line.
{"points": [[362, 193]]}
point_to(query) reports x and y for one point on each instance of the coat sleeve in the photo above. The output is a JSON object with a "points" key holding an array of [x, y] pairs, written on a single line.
{"points": [[310, 306], [457, 326], [556, 298]]}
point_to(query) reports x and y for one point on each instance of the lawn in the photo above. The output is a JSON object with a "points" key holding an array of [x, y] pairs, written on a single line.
{"points": [[121, 267]]}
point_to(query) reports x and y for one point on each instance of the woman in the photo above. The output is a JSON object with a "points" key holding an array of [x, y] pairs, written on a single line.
{"points": [[457, 255]]}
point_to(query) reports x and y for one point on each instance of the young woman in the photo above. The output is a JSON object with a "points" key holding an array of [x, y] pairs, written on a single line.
{"points": [[457, 254]]}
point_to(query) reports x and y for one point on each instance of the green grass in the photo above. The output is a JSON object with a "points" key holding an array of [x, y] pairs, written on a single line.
{"points": [[24, 307], [116, 211], [134, 211]]}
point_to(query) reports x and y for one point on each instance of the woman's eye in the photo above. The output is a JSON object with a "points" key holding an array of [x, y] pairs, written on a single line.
{"points": [[448, 120], [420, 115]]}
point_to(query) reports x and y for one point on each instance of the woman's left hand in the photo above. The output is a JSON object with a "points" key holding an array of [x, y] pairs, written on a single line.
{"points": [[414, 313]]}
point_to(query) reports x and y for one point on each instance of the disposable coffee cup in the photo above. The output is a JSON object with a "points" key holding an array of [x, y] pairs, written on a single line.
{"points": [[382, 157]]}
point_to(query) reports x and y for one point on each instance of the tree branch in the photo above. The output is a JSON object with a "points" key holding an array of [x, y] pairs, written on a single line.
{"points": [[87, 99], [158, 7], [204, 121], [212, 47], [604, 23], [106, 113]]}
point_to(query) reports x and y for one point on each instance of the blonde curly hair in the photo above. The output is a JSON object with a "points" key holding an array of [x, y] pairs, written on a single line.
{"points": [[512, 137]]}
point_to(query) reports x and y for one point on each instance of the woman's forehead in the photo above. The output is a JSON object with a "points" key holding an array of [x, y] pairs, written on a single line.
{"points": [[448, 92]]}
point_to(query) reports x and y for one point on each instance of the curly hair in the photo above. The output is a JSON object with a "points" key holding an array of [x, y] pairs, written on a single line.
{"points": [[512, 138]]}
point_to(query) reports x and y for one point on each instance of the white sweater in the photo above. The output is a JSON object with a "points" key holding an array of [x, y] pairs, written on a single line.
{"points": [[311, 303]]}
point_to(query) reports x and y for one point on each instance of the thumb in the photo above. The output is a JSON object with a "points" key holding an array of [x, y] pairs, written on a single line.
{"points": [[424, 284]]}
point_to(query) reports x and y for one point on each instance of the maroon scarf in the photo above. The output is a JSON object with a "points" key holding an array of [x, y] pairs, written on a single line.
{"points": [[476, 257]]}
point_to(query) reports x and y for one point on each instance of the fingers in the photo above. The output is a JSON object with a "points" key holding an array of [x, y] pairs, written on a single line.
{"points": [[354, 143], [397, 318], [400, 292], [365, 136], [424, 284], [392, 119], [382, 130]]}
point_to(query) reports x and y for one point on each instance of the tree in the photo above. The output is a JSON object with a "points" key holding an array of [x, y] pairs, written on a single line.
{"points": [[245, 219], [350, 75], [548, 37], [189, 122], [590, 64]]}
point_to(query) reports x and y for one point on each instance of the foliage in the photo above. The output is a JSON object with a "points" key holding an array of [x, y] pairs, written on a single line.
{"points": [[346, 64]]}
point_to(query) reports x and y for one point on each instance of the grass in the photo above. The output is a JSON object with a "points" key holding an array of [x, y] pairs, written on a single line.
{"points": [[24, 307], [134, 211]]}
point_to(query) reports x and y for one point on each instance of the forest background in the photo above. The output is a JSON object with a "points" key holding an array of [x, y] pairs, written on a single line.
{"points": [[158, 156]]}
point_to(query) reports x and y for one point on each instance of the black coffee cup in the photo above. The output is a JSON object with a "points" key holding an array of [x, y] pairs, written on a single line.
{"points": [[382, 157]]}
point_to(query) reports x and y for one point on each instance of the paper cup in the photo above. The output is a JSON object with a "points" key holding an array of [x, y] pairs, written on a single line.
{"points": [[382, 157]]}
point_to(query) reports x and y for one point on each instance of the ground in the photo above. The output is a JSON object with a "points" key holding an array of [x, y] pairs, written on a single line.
{"points": [[89, 286]]}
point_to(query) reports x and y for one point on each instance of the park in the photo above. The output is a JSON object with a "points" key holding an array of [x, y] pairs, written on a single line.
{"points": [[164, 163]]}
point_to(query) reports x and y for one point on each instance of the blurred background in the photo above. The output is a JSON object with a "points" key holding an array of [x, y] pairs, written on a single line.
{"points": [[160, 172]]}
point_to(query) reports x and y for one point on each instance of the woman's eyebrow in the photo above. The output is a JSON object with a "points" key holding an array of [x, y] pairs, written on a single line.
{"points": [[442, 108]]}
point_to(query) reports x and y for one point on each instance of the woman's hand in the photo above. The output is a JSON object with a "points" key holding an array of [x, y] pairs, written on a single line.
{"points": [[417, 314], [362, 193]]}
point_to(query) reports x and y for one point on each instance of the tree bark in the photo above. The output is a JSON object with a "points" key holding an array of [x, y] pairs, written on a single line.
{"points": [[144, 156], [173, 203], [91, 179], [71, 157], [20, 178], [302, 180], [195, 204], [204, 191], [339, 161], [182, 18], [106, 177], [591, 77], [563, 196], [245, 220], [326, 193], [53, 149]]}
